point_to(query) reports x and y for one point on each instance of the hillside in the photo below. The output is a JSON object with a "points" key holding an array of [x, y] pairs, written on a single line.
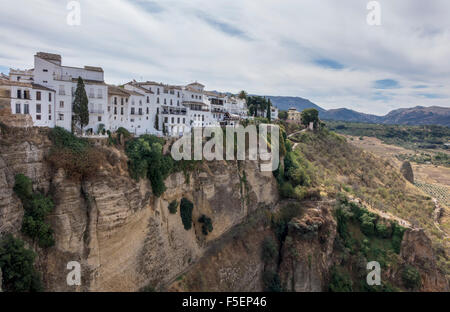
{"points": [[135, 219], [418, 115]]}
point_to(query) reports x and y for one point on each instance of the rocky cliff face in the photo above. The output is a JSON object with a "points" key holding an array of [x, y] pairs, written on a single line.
{"points": [[125, 238], [122, 235]]}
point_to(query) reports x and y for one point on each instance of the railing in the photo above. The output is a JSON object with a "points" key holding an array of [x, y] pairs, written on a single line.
{"points": [[96, 111], [174, 112]]}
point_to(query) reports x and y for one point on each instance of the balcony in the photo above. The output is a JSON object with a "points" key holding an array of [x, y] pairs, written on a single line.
{"points": [[136, 114], [96, 111], [174, 112]]}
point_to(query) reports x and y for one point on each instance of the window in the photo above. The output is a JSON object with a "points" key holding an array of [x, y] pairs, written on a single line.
{"points": [[132, 111], [165, 119], [165, 101], [121, 101], [148, 111], [19, 94], [38, 108], [100, 94], [45, 70], [38, 95], [178, 102], [61, 104], [49, 97], [121, 111], [49, 109], [170, 101], [17, 108], [109, 109], [173, 120], [178, 94], [192, 96], [26, 108], [91, 93], [99, 118], [157, 100], [49, 117], [38, 117], [140, 111], [61, 116], [178, 120], [115, 100], [184, 120], [115, 110], [157, 91], [62, 91], [148, 99]]}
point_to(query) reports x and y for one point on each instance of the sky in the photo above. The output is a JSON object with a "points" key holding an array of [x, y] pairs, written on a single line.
{"points": [[324, 51]]}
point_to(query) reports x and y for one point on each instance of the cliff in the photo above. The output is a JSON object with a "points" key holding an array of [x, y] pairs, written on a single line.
{"points": [[125, 238]]}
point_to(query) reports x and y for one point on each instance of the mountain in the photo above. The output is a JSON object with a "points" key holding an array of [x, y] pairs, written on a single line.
{"points": [[345, 114], [418, 115], [286, 102]]}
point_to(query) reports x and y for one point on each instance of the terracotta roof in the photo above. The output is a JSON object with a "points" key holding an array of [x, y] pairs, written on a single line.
{"points": [[196, 84], [93, 68], [193, 90], [49, 56], [136, 85], [5, 82], [41, 87], [113, 90]]}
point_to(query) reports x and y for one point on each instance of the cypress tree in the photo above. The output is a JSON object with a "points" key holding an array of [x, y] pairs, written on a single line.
{"points": [[269, 113], [80, 105]]}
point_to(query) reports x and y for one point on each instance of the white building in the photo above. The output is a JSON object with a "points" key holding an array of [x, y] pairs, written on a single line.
{"points": [[47, 91], [49, 72]]}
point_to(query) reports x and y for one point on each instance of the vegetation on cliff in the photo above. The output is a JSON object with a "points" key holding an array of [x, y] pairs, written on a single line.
{"points": [[17, 265], [37, 206], [186, 207], [78, 158]]}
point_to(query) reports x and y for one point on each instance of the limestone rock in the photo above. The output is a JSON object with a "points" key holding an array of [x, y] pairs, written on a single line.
{"points": [[407, 171]]}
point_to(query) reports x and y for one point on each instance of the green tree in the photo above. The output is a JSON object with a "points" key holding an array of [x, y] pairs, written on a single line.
{"points": [[186, 207], [310, 115], [17, 266], [156, 122], [80, 105], [269, 110], [243, 95], [282, 114]]}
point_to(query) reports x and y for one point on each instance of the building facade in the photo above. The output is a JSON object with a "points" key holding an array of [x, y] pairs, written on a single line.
{"points": [[47, 92]]}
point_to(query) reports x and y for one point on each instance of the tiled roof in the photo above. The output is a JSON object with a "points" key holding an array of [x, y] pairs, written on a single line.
{"points": [[93, 68], [113, 90], [41, 87], [49, 56]]}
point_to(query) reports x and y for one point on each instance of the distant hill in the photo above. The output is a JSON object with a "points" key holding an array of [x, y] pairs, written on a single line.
{"points": [[418, 115], [286, 102]]}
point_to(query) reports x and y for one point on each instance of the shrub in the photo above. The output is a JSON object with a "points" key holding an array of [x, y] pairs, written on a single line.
{"points": [[75, 155], [17, 267], [397, 236], [37, 207], [272, 281], [145, 159], [287, 190], [207, 226], [186, 207], [411, 277], [340, 282], [23, 187], [367, 224], [269, 249], [173, 207], [383, 230]]}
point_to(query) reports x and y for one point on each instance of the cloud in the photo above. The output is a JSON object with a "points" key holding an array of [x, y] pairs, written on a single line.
{"points": [[386, 84], [320, 50]]}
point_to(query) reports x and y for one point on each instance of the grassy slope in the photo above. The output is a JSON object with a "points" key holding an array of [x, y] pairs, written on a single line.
{"points": [[342, 167]]}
